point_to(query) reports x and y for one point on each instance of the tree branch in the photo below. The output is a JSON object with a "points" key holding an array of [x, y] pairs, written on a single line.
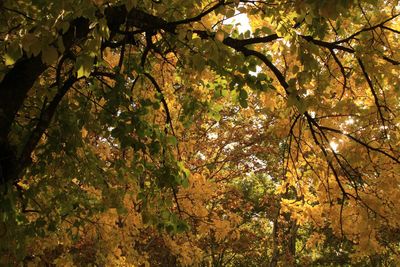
{"points": [[44, 121]]}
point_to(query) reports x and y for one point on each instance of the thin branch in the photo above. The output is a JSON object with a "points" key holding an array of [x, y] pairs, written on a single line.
{"points": [[328, 45], [365, 29], [342, 70], [367, 146], [371, 87], [199, 16], [163, 101], [18, 12], [44, 121]]}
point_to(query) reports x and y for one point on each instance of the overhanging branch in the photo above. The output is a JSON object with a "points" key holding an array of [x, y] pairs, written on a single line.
{"points": [[44, 122]]}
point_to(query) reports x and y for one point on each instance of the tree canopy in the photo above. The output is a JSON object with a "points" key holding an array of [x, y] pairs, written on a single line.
{"points": [[199, 133]]}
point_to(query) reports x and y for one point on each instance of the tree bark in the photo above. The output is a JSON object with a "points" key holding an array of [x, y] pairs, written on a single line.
{"points": [[14, 89]]}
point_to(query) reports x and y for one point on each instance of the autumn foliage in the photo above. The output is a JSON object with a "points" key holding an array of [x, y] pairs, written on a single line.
{"points": [[199, 133]]}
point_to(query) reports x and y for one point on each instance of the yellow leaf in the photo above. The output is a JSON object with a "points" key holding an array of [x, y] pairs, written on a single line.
{"points": [[9, 60], [220, 35], [84, 133], [13, 54]]}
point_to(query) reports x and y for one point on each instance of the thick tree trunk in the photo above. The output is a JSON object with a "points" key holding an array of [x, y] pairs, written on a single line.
{"points": [[14, 89]]}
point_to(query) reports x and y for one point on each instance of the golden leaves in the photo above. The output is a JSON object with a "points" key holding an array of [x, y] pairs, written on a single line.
{"points": [[187, 253], [220, 35]]}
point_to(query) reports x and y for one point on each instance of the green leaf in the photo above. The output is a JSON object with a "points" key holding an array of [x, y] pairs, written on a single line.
{"points": [[64, 26], [185, 171], [243, 98], [215, 115], [243, 94], [182, 226], [84, 64], [130, 4], [49, 55], [155, 147], [156, 105], [185, 182], [29, 42], [243, 103], [165, 215], [308, 19], [198, 62], [60, 45], [172, 140]]}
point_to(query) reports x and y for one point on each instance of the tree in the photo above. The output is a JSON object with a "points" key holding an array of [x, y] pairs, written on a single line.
{"points": [[135, 125]]}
